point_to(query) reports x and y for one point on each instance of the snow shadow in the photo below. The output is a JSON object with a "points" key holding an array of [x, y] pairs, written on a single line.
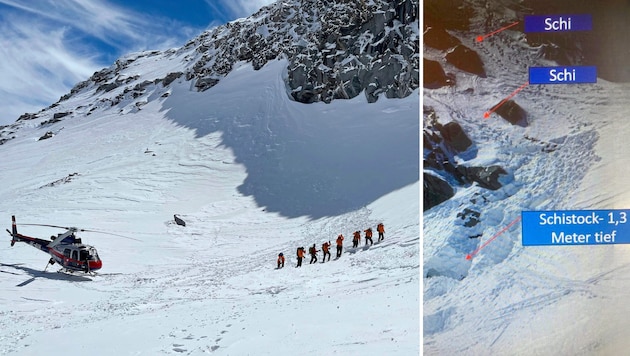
{"points": [[311, 160], [43, 274]]}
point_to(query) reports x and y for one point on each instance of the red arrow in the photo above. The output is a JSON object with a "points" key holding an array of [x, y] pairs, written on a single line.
{"points": [[470, 255], [494, 108], [481, 38]]}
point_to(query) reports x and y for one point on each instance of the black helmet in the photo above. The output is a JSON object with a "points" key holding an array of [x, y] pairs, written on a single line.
{"points": [[280, 254]]}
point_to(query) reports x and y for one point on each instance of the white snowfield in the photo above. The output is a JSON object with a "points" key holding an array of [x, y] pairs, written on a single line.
{"points": [[510, 299], [243, 165]]}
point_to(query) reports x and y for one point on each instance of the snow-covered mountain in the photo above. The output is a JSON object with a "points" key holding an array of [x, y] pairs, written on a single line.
{"points": [[217, 132], [554, 147]]}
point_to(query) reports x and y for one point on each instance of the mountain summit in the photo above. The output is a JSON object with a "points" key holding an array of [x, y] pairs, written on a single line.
{"points": [[218, 134], [335, 50], [323, 51]]}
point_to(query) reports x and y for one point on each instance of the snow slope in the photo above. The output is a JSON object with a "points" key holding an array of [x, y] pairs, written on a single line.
{"points": [[253, 174], [568, 300]]}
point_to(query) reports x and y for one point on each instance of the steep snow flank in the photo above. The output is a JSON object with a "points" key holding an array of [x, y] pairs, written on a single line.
{"points": [[321, 160], [510, 299], [236, 162]]}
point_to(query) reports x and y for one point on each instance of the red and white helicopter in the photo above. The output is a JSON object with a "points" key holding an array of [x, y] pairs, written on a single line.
{"points": [[65, 249]]}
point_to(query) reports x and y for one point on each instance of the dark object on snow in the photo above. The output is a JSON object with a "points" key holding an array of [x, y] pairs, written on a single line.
{"points": [[436, 190], [455, 136], [512, 112], [179, 221], [438, 38], [466, 59], [47, 135], [434, 76], [486, 177]]}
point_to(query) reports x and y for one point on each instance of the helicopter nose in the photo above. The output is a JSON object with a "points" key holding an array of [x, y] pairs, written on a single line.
{"points": [[95, 265]]}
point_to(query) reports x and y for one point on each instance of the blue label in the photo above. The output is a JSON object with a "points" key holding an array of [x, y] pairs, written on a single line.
{"points": [[558, 23], [575, 227], [563, 75]]}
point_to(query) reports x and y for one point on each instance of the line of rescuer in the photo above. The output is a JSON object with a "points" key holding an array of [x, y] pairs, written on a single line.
{"points": [[301, 251]]}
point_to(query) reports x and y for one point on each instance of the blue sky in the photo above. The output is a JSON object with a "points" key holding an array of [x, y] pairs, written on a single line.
{"points": [[47, 46]]}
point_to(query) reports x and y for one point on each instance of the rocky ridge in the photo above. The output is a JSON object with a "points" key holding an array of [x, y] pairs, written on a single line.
{"points": [[335, 50]]}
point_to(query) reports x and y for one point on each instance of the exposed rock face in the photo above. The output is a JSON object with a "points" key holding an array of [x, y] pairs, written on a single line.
{"points": [[371, 49], [59, 115], [46, 136], [597, 47], [438, 38], [441, 144], [435, 191], [434, 76], [470, 217], [171, 77], [513, 113], [466, 59], [487, 177], [455, 136], [447, 14], [336, 50]]}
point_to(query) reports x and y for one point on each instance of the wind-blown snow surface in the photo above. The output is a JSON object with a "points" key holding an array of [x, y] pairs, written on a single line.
{"points": [[511, 300], [211, 287]]}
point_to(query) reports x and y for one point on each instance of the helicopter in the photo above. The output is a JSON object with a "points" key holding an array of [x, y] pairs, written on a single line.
{"points": [[65, 249]]}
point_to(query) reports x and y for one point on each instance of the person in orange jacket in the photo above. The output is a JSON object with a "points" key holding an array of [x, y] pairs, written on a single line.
{"points": [[368, 236], [280, 260], [381, 231], [325, 249], [313, 252], [300, 256], [356, 237], [339, 245]]}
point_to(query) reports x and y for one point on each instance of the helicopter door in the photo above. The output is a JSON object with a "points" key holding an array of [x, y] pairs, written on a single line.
{"points": [[84, 256], [75, 256], [66, 253]]}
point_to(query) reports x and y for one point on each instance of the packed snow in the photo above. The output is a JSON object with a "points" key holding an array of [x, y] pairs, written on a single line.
{"points": [[252, 174], [510, 299]]}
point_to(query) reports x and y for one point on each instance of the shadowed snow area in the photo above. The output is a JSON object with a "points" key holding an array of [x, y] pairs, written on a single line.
{"points": [[252, 174], [510, 299], [315, 160]]}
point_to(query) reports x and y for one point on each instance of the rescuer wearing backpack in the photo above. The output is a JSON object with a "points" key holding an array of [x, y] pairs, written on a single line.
{"points": [[368, 236], [381, 231], [300, 256], [356, 237], [313, 252], [339, 245], [325, 249], [280, 260]]}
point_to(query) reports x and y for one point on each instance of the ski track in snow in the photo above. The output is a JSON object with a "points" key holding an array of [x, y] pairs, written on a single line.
{"points": [[211, 287]]}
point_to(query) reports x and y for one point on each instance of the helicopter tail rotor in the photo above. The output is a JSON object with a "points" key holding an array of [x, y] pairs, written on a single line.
{"points": [[14, 231]]}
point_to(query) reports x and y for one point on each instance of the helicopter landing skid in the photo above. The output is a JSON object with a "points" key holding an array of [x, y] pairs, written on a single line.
{"points": [[70, 272]]}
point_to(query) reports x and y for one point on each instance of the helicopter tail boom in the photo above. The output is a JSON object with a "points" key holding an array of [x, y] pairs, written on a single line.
{"points": [[14, 232], [17, 237]]}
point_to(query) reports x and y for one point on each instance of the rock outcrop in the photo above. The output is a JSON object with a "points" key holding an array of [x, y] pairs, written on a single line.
{"points": [[466, 59], [512, 113], [435, 191], [434, 76], [442, 142]]}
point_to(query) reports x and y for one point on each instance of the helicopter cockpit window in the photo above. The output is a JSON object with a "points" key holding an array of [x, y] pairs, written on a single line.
{"points": [[83, 255], [75, 255], [93, 253], [66, 253]]}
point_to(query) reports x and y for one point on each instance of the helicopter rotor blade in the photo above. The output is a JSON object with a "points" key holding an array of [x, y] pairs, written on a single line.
{"points": [[81, 230], [109, 233], [46, 225]]}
